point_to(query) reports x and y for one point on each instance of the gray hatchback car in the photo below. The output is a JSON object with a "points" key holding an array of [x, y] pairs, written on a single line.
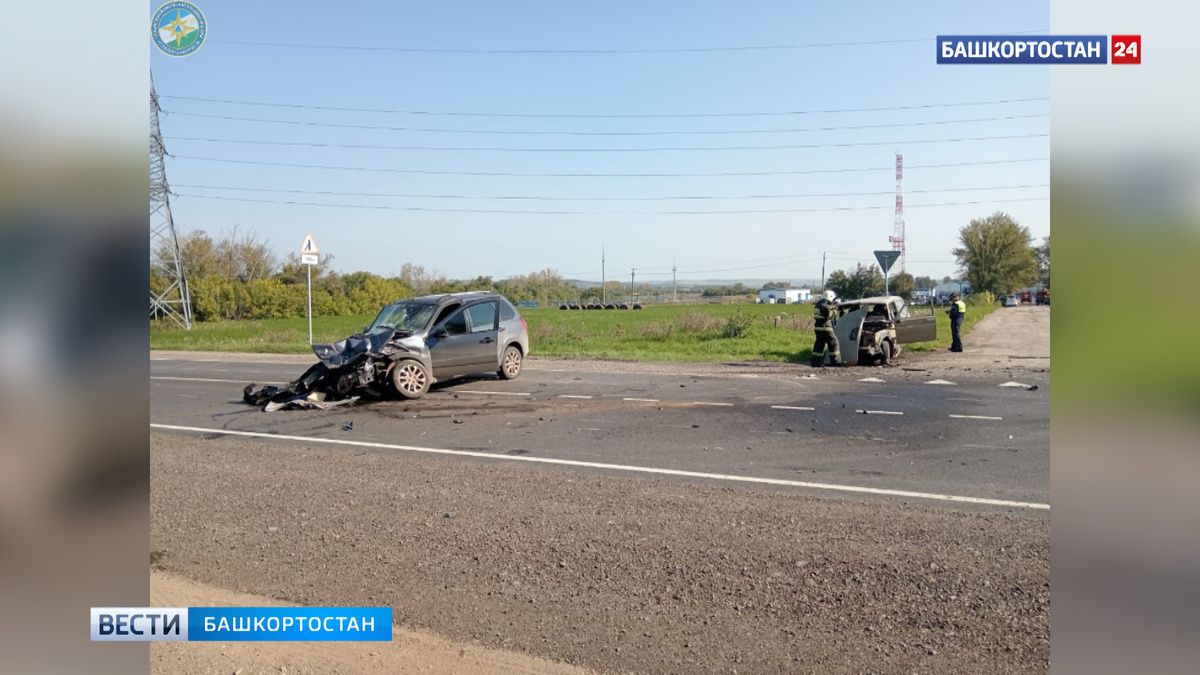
{"points": [[418, 341]]}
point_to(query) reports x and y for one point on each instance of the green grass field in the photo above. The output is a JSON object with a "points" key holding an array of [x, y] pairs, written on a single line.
{"points": [[701, 333]]}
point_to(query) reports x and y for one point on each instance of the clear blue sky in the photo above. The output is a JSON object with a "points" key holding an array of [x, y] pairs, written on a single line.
{"points": [[748, 245]]}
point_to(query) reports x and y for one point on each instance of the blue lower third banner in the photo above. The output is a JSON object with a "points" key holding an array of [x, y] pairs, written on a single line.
{"points": [[1022, 49], [230, 624]]}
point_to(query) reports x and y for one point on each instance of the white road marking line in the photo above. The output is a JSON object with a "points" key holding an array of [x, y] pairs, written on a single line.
{"points": [[756, 431], [572, 396], [791, 407], [487, 393], [707, 403], [678, 426], [879, 412], [882, 395], [938, 382], [969, 400], [976, 417], [1015, 384], [263, 363], [991, 447], [204, 379], [870, 379], [641, 400], [614, 467], [590, 429]]}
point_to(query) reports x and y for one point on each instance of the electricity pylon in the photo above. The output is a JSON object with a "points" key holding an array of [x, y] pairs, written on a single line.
{"points": [[172, 299]]}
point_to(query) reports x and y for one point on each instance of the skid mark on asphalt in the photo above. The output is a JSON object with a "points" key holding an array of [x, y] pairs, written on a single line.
{"points": [[217, 433]]}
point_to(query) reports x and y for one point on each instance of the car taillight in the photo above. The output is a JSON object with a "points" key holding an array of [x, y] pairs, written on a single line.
{"points": [[524, 325]]}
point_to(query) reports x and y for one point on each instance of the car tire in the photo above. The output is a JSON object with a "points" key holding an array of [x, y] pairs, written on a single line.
{"points": [[510, 363], [885, 353], [409, 379]]}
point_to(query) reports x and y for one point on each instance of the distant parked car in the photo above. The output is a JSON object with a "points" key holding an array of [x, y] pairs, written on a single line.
{"points": [[1011, 301]]}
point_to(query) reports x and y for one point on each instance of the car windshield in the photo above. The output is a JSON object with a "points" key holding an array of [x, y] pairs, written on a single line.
{"points": [[404, 316]]}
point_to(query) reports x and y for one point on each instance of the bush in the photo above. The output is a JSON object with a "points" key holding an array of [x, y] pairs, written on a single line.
{"points": [[981, 299], [737, 326]]}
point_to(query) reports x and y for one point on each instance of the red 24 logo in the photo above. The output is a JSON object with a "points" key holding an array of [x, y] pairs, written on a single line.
{"points": [[1127, 49]]}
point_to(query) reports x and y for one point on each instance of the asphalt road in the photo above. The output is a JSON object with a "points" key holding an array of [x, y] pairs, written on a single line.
{"points": [[971, 442]]}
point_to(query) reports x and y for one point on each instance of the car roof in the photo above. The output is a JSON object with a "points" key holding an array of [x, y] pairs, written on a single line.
{"points": [[445, 298], [874, 300]]}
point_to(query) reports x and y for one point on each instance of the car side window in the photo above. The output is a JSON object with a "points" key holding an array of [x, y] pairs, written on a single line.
{"points": [[507, 313], [901, 310], [483, 317], [457, 324]]}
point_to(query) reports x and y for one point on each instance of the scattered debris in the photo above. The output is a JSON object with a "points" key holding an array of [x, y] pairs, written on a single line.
{"points": [[348, 426], [1032, 388], [1014, 385], [450, 514]]}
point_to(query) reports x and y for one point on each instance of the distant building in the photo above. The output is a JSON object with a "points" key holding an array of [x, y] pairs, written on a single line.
{"points": [[784, 295]]}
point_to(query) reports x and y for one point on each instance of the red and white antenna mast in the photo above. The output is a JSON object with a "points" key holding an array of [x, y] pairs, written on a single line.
{"points": [[897, 237]]}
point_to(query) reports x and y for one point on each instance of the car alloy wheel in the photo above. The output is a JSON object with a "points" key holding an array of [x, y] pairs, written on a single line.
{"points": [[512, 362], [410, 379]]}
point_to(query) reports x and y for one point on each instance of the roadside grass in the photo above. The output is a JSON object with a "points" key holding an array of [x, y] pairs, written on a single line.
{"points": [[696, 333]]}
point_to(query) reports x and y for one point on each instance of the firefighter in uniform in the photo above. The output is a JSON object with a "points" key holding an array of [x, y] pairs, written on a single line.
{"points": [[957, 312], [824, 318]]}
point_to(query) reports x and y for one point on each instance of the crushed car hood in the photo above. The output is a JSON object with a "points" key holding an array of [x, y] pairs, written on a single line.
{"points": [[343, 352]]}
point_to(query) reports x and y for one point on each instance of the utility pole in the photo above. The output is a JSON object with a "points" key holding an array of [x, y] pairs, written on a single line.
{"points": [[823, 253], [632, 287], [674, 284], [603, 290]]}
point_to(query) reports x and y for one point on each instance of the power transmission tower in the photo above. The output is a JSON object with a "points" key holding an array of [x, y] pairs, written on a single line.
{"points": [[897, 237], [173, 299]]}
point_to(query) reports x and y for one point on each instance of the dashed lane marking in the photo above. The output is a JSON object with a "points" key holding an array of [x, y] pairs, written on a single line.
{"points": [[487, 393], [616, 467], [870, 379], [975, 417], [572, 396], [1015, 385], [939, 382], [879, 412], [792, 407], [708, 403], [640, 400]]}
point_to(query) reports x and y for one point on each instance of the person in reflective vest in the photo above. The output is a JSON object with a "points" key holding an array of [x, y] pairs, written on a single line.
{"points": [[824, 319], [957, 312]]}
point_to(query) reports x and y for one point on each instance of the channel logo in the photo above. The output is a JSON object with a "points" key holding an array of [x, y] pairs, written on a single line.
{"points": [[1049, 49], [230, 624]]}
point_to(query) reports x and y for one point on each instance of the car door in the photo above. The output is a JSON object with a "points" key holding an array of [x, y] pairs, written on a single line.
{"points": [[848, 331], [450, 346], [484, 330], [910, 329]]}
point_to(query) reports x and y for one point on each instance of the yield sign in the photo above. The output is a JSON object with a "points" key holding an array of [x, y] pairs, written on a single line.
{"points": [[309, 246], [886, 259]]}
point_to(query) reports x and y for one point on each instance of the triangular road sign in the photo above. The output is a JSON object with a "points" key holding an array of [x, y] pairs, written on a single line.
{"points": [[309, 246], [887, 259]]}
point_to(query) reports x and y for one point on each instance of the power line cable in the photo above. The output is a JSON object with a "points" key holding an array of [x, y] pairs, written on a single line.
{"points": [[447, 113], [380, 207], [431, 172], [798, 195], [435, 148], [541, 132]]}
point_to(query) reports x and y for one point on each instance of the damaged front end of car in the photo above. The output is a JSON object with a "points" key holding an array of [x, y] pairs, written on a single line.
{"points": [[347, 370]]}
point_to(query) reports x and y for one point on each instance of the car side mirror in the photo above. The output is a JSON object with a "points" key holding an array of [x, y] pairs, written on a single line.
{"points": [[441, 333], [365, 329]]}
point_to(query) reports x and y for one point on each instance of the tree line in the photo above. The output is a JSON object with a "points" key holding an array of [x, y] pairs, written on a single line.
{"points": [[239, 276]]}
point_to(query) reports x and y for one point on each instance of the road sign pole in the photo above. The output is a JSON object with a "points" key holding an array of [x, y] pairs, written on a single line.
{"points": [[309, 268]]}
